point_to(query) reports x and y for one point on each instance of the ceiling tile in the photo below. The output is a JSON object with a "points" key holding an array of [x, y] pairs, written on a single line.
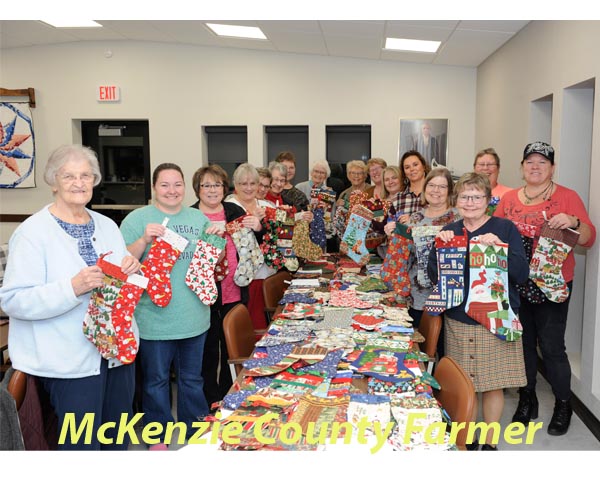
{"points": [[370, 29], [418, 33], [413, 57], [137, 30], [470, 48], [507, 26], [354, 47], [298, 42]]}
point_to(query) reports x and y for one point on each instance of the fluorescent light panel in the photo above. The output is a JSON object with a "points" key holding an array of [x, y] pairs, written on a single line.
{"points": [[239, 31], [410, 45], [72, 23]]}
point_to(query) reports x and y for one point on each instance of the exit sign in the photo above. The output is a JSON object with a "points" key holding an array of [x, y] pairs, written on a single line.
{"points": [[109, 93]]}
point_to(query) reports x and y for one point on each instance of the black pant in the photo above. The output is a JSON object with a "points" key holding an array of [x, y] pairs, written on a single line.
{"points": [[545, 323], [215, 369]]}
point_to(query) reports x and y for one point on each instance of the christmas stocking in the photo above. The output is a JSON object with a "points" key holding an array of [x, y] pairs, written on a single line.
{"points": [[317, 228], [200, 276], [546, 264], [449, 291], [376, 235], [158, 264], [108, 320], [488, 301], [222, 268], [529, 290], [286, 215], [424, 236], [353, 241], [394, 271], [301, 243], [273, 257], [326, 200], [250, 256]]}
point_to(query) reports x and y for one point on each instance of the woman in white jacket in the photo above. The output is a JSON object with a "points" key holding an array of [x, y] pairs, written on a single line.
{"points": [[50, 274]]}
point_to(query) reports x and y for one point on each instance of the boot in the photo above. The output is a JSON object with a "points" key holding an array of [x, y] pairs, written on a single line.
{"points": [[527, 409], [561, 418]]}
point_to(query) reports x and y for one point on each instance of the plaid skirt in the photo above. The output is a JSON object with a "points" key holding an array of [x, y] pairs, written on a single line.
{"points": [[491, 363]]}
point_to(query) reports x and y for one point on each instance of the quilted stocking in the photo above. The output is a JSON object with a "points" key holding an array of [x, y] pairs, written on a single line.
{"points": [[394, 270], [317, 228], [529, 290], [250, 256], [424, 236], [273, 257], [108, 320], [286, 214], [158, 264], [200, 276], [449, 291], [488, 301], [302, 244], [353, 241], [546, 264]]}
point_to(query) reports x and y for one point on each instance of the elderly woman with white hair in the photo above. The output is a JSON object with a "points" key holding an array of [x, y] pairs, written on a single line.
{"points": [[246, 180], [319, 173], [49, 278]]}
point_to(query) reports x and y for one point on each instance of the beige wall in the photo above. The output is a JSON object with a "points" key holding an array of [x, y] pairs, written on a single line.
{"points": [[181, 88], [542, 60]]}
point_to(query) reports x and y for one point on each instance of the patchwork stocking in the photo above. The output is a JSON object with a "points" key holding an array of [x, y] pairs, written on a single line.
{"points": [[326, 200], [529, 290], [451, 259], [301, 243], [200, 276], [488, 300], [108, 321], [376, 235], [286, 215], [158, 264], [424, 236], [546, 264], [353, 241], [394, 270], [317, 228], [222, 268], [250, 256], [272, 255]]}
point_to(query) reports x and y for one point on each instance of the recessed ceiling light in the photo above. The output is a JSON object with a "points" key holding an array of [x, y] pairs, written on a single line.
{"points": [[410, 45], [72, 23], [236, 31]]}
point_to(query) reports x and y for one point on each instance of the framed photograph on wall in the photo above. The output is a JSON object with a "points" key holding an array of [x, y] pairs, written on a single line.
{"points": [[428, 136]]}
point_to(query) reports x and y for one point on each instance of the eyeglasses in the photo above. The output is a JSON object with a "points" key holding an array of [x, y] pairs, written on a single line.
{"points": [[247, 184], [70, 178], [485, 165], [356, 174], [278, 180], [264, 186], [211, 186], [473, 198], [319, 172], [433, 186]]}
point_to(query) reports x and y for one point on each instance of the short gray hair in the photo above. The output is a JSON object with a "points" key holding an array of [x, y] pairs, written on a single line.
{"points": [[63, 154], [321, 163], [280, 167], [245, 170]]}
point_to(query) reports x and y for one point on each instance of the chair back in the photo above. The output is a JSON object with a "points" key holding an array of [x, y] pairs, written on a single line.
{"points": [[17, 386], [274, 287], [430, 327], [457, 395], [239, 334]]}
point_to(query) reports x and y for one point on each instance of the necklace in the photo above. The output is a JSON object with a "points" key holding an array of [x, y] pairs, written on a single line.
{"points": [[543, 193]]}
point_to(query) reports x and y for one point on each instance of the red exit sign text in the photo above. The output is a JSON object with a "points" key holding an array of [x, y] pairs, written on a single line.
{"points": [[109, 93]]}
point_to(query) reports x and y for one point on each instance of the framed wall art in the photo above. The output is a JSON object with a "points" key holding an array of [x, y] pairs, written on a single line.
{"points": [[428, 136]]}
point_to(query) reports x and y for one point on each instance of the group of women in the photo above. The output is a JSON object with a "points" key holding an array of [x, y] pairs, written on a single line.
{"points": [[50, 277]]}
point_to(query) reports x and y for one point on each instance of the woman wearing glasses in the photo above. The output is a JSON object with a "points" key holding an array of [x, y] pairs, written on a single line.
{"points": [[49, 277], [246, 181], [544, 313], [492, 363], [210, 185]]}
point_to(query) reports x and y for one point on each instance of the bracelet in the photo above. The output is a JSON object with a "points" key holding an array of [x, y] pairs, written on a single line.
{"points": [[576, 227]]}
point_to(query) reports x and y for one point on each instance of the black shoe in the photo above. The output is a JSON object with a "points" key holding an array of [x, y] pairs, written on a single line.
{"points": [[527, 409], [561, 418], [488, 448], [472, 446]]}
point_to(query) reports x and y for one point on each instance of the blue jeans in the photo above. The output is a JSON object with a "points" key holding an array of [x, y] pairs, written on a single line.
{"points": [[107, 395], [156, 357]]}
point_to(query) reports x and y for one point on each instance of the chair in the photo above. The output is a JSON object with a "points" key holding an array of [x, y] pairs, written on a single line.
{"points": [[17, 386], [240, 337], [457, 395], [430, 327], [273, 289]]}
